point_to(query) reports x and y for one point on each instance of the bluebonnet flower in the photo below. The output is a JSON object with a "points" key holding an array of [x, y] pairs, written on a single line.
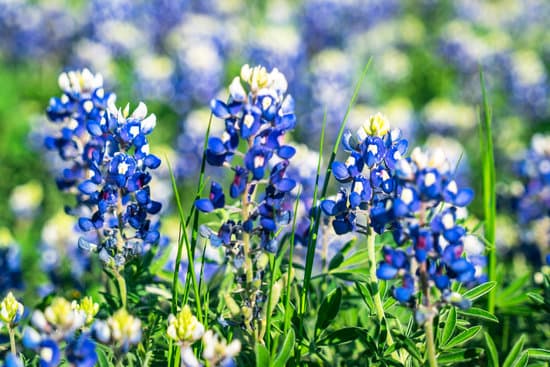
{"points": [[218, 352], [259, 117], [11, 277], [425, 219], [11, 311], [374, 151], [111, 167], [62, 322], [120, 330]]}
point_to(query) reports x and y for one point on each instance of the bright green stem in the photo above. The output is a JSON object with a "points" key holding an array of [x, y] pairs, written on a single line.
{"points": [[430, 345], [11, 331], [121, 287]]}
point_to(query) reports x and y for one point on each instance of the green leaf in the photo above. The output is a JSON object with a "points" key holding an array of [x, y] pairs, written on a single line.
{"points": [[450, 325], [358, 258], [539, 353], [479, 313], [262, 356], [492, 353], [479, 291], [336, 261], [535, 297], [459, 356], [101, 357], [514, 352], [351, 275], [411, 348], [463, 337], [286, 350], [515, 286], [329, 308], [344, 335], [522, 360], [489, 192]]}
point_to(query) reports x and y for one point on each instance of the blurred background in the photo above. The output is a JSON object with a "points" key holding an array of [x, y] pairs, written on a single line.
{"points": [[177, 55]]}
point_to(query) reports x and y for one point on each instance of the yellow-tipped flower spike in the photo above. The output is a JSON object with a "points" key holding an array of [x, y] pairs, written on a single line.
{"points": [[377, 125], [11, 310], [257, 77], [61, 315], [88, 307], [125, 328], [184, 327]]}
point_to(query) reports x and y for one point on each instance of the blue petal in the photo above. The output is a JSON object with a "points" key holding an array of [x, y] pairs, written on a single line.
{"points": [[85, 224], [94, 128], [285, 185], [342, 226], [87, 187], [268, 224], [286, 152], [219, 109], [402, 294], [327, 206], [204, 205], [464, 197], [340, 171], [216, 146], [386, 271], [151, 161]]}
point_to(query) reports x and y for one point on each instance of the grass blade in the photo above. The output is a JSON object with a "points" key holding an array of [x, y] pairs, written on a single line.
{"points": [[489, 191]]}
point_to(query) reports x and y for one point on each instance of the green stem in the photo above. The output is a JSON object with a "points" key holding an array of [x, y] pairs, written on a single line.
{"points": [[11, 331], [121, 287], [430, 345]]}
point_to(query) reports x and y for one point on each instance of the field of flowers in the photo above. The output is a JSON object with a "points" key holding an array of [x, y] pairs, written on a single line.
{"points": [[274, 183]]}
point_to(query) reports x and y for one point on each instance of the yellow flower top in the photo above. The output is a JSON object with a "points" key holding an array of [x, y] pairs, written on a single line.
{"points": [[377, 125], [10, 310], [184, 327], [61, 314], [88, 307], [257, 77], [125, 327]]}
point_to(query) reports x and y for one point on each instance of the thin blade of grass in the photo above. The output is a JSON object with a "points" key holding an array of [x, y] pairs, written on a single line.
{"points": [[190, 256], [290, 268], [489, 192], [314, 225]]}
